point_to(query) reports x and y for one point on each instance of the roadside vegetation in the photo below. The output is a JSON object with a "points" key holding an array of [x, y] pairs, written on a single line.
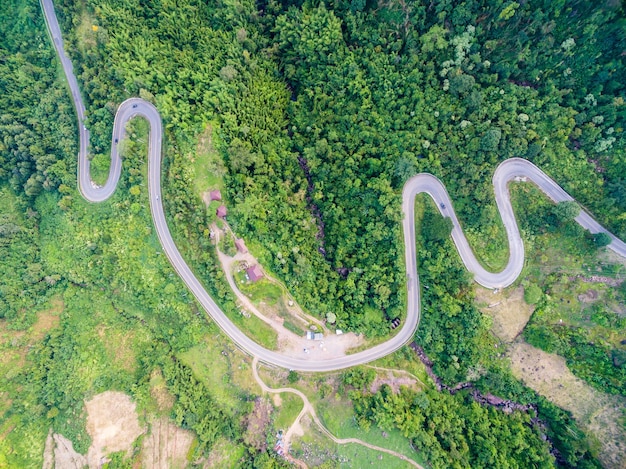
{"points": [[578, 299], [309, 117]]}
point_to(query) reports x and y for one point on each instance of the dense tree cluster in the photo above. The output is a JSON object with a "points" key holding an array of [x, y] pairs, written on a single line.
{"points": [[596, 361], [37, 129], [377, 94], [453, 431], [452, 330], [322, 112]]}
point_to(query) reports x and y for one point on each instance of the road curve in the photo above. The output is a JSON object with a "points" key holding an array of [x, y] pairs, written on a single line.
{"points": [[427, 183]]}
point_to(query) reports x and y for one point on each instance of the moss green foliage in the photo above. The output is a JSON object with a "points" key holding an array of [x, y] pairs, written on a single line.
{"points": [[37, 125], [453, 431], [376, 96], [196, 409], [25, 281], [568, 442], [323, 111], [532, 294], [380, 93], [590, 357], [587, 335], [455, 335], [453, 332]]}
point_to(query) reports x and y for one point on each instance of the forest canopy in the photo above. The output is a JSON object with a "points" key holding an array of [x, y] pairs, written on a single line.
{"points": [[321, 111]]}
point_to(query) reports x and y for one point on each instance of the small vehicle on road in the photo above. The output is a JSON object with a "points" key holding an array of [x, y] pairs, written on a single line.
{"points": [[134, 106], [443, 206], [115, 140]]}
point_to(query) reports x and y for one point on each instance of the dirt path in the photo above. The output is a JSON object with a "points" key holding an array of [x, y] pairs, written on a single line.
{"points": [[332, 346], [309, 409], [227, 264]]}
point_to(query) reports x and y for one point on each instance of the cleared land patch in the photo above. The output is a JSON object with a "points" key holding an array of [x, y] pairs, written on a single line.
{"points": [[166, 446], [112, 424], [597, 413], [509, 311]]}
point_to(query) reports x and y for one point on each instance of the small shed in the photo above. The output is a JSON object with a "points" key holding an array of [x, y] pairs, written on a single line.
{"points": [[254, 273], [310, 335], [241, 246], [318, 336], [221, 211], [215, 195]]}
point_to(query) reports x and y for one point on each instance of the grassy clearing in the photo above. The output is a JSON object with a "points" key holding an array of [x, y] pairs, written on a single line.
{"points": [[208, 166], [261, 290], [355, 455], [256, 329], [286, 414], [225, 453], [211, 365], [270, 297], [338, 417], [404, 359], [315, 448]]}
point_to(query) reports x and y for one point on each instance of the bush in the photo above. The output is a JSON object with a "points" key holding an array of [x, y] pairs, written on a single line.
{"points": [[601, 239], [532, 294]]}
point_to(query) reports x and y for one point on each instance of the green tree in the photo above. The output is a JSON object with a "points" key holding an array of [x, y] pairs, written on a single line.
{"points": [[532, 294], [566, 211], [602, 239]]}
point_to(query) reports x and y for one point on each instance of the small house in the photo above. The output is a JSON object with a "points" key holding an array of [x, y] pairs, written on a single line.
{"points": [[310, 335], [241, 246], [215, 195], [254, 273], [221, 211], [318, 336]]}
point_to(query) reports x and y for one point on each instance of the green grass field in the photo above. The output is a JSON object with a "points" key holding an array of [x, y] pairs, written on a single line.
{"points": [[288, 411], [338, 417]]}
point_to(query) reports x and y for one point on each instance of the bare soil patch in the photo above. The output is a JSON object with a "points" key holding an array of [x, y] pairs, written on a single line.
{"points": [[158, 390], [48, 452], [508, 309], [167, 446], [47, 319], [395, 382], [589, 296], [64, 455], [112, 424], [256, 424], [597, 413]]}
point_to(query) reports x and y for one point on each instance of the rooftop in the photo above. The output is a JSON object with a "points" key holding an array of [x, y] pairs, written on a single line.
{"points": [[241, 246], [254, 273]]}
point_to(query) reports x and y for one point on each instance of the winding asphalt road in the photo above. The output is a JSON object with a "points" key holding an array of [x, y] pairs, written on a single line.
{"points": [[427, 183]]}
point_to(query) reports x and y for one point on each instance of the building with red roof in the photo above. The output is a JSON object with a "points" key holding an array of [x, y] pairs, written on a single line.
{"points": [[215, 195], [221, 211], [254, 273], [241, 246]]}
